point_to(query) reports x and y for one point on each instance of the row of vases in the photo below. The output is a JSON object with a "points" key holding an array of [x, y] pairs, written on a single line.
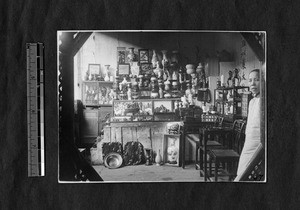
{"points": [[165, 61], [158, 158], [106, 78]]}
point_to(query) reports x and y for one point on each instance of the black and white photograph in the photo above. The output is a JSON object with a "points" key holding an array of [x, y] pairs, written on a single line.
{"points": [[153, 104], [130, 128]]}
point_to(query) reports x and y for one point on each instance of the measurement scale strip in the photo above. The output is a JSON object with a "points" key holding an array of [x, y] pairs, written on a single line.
{"points": [[35, 109]]}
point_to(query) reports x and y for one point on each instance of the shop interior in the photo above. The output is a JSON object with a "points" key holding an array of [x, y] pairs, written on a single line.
{"points": [[147, 104]]}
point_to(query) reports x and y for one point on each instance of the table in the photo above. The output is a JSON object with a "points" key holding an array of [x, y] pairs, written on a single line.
{"points": [[205, 133]]}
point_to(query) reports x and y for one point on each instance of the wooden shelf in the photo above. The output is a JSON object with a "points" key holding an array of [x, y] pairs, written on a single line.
{"points": [[101, 82]]}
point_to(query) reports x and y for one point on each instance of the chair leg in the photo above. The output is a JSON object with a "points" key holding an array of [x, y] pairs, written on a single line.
{"points": [[196, 161], [216, 170], [201, 159], [210, 166]]}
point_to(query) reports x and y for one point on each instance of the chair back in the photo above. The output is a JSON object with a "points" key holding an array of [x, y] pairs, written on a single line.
{"points": [[219, 121], [238, 138]]}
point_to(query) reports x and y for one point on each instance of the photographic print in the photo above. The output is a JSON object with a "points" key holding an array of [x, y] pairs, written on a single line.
{"points": [[116, 139]]}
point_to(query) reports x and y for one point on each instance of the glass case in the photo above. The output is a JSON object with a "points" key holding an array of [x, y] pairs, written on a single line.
{"points": [[97, 93], [228, 101], [144, 110]]}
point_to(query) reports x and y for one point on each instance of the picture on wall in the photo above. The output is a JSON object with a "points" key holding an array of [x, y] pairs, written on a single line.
{"points": [[124, 69], [146, 68], [121, 55], [94, 69], [144, 56]]}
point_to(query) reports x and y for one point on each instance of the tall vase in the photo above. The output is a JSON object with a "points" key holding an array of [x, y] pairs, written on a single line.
{"points": [[106, 78], [130, 55], [158, 158], [157, 70], [174, 59], [154, 59], [165, 60]]}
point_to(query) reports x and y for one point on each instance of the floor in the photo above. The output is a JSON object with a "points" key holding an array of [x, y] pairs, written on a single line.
{"points": [[152, 173]]}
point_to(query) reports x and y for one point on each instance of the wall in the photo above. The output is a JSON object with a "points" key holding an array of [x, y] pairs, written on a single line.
{"points": [[232, 42], [101, 48]]}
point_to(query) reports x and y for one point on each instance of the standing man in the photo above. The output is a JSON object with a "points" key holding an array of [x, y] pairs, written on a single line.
{"points": [[252, 140]]}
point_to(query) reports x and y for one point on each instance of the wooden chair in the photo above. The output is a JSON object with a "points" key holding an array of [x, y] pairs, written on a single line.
{"points": [[212, 143], [227, 158]]}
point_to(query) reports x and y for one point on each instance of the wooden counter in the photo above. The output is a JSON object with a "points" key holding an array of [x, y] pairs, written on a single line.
{"points": [[149, 134]]}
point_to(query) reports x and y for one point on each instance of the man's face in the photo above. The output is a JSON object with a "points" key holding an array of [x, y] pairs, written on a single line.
{"points": [[254, 83]]}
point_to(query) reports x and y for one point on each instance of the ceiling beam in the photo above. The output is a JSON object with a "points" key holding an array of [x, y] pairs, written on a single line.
{"points": [[79, 40], [255, 46]]}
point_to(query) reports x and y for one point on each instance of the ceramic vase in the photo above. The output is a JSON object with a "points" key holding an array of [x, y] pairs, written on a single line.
{"points": [[174, 58], [130, 55], [106, 78], [157, 70], [154, 59], [165, 60], [158, 158]]}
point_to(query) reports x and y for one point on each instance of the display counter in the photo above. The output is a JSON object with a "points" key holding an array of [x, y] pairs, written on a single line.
{"points": [[149, 134]]}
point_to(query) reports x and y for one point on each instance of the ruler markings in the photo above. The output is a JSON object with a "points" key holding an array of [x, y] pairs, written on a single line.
{"points": [[35, 109]]}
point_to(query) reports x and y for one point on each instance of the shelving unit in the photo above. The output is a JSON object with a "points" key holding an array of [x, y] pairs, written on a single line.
{"points": [[228, 101], [144, 110]]}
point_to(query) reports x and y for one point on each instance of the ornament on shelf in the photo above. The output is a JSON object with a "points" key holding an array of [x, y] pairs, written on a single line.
{"points": [[158, 158], [106, 78], [131, 55], [190, 68], [90, 77], [158, 71], [199, 68], [229, 80], [167, 85], [148, 156], [161, 92], [154, 59], [174, 58], [140, 81], [236, 77], [218, 83], [165, 60], [129, 93]]}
